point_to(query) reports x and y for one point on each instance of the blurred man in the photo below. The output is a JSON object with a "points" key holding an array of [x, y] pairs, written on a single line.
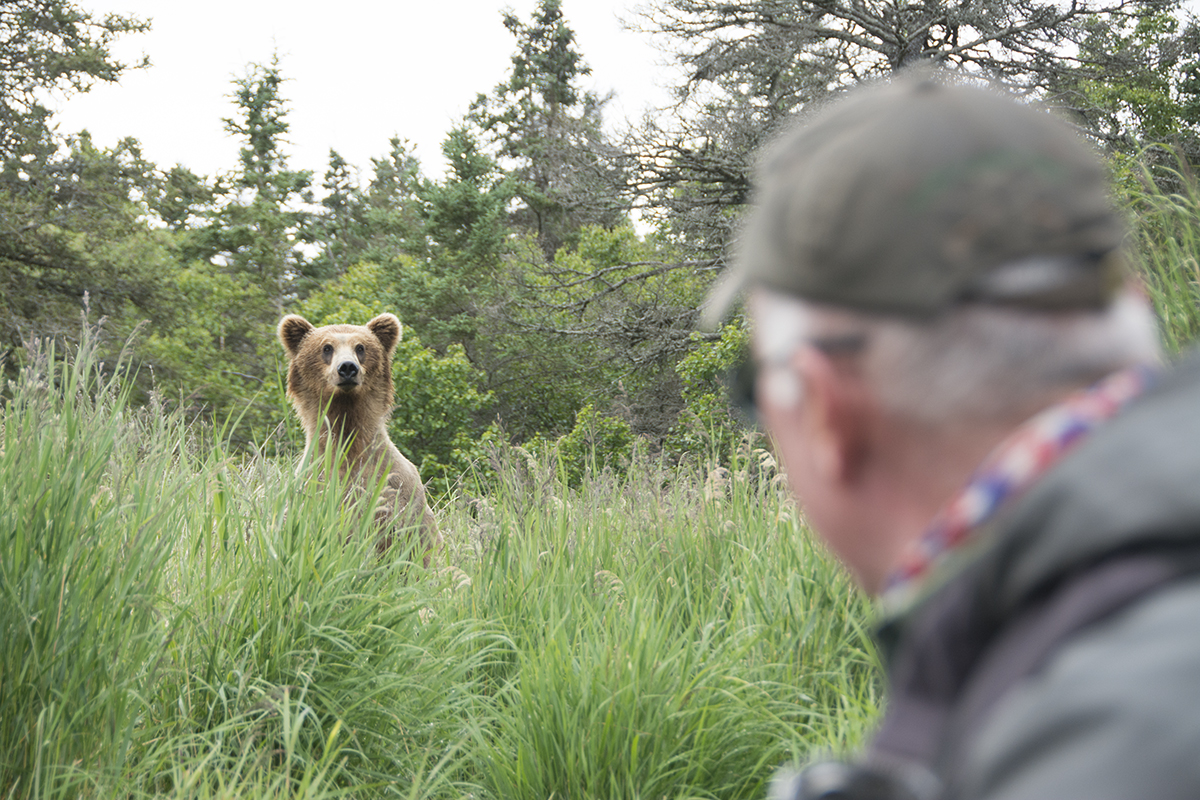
{"points": [[963, 383]]}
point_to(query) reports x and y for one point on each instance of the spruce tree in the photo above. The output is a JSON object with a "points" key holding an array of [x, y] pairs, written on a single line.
{"points": [[548, 133]]}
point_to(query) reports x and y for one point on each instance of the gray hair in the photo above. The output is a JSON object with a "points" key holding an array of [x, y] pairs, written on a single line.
{"points": [[975, 363]]}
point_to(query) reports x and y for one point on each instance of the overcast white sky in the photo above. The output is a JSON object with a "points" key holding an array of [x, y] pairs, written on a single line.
{"points": [[360, 71]]}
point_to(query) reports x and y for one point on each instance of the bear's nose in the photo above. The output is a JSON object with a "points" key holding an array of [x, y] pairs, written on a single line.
{"points": [[347, 370]]}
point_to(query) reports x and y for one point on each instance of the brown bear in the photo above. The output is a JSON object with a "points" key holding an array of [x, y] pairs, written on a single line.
{"points": [[340, 383]]}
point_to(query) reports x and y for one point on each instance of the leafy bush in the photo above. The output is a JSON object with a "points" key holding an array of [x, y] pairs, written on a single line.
{"points": [[707, 428], [437, 401], [597, 442], [218, 346]]}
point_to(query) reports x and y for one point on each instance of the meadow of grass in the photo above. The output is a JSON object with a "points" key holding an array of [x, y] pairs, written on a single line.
{"points": [[180, 621]]}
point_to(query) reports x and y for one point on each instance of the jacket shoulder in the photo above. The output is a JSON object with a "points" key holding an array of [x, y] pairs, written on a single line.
{"points": [[1113, 714]]}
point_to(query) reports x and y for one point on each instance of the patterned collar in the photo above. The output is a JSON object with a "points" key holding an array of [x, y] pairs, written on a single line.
{"points": [[1010, 469]]}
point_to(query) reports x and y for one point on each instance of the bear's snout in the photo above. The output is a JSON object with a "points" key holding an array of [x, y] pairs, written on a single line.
{"points": [[347, 373]]}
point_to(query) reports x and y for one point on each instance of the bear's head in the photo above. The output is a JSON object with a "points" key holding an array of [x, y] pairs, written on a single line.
{"points": [[339, 364]]}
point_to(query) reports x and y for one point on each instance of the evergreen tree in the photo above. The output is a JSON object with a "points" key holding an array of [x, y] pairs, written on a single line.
{"points": [[340, 229], [67, 208], [378, 225], [240, 242], [443, 291], [393, 214], [751, 67], [1151, 95], [72, 234], [465, 219], [549, 130], [51, 45], [258, 230], [181, 199]]}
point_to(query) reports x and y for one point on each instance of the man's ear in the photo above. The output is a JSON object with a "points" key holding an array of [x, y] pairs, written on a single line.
{"points": [[292, 330], [386, 328], [839, 412]]}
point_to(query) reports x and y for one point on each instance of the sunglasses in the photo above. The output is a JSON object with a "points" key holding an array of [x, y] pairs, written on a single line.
{"points": [[740, 382]]}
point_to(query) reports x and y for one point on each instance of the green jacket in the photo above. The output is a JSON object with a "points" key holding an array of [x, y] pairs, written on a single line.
{"points": [[1003, 702]]}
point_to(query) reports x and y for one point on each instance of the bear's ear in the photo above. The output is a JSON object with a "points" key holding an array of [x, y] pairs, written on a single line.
{"points": [[387, 329], [292, 330]]}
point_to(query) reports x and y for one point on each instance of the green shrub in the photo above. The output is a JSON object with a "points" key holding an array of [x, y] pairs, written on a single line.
{"points": [[708, 429], [437, 401], [597, 442]]}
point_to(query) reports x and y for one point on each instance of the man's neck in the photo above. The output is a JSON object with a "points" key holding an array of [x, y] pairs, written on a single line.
{"points": [[923, 468]]}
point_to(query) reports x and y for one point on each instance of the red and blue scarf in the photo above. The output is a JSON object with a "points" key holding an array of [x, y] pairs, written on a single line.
{"points": [[1010, 469]]}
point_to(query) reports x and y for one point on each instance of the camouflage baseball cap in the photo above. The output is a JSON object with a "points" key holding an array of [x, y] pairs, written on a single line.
{"points": [[912, 197]]}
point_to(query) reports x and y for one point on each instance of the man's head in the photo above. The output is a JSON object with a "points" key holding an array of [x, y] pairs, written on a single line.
{"points": [[927, 266], [910, 198]]}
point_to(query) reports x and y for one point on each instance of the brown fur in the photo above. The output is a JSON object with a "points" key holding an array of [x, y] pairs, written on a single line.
{"points": [[350, 410]]}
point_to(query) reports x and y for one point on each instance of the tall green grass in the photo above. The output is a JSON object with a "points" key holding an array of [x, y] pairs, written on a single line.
{"points": [[81, 482], [181, 621], [671, 636], [1168, 246]]}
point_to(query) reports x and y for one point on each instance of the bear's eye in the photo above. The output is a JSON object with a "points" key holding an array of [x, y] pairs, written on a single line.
{"points": [[327, 351], [360, 351]]}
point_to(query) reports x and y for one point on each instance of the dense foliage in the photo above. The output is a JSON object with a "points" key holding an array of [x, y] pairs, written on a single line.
{"points": [[554, 272]]}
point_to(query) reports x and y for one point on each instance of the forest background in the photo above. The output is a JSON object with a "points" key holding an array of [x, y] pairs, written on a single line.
{"points": [[549, 282]]}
